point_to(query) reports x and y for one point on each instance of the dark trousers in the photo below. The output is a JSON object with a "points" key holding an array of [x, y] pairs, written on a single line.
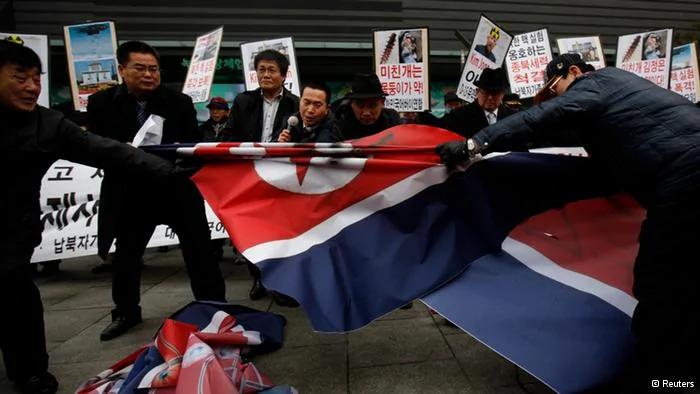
{"points": [[253, 270], [183, 210], [22, 330], [666, 322]]}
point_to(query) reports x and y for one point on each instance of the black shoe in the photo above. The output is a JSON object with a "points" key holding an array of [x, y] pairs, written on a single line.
{"points": [[407, 306], [285, 300], [258, 291], [118, 326], [43, 383]]}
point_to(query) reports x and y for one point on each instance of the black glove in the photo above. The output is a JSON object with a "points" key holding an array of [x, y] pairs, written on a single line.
{"points": [[186, 168], [453, 153]]}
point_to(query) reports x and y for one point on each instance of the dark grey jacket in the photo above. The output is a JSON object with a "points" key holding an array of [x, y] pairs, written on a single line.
{"points": [[29, 144], [648, 138]]}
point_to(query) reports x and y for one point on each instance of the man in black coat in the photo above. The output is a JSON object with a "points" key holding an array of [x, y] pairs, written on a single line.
{"points": [[487, 109], [211, 130], [137, 207], [646, 140], [259, 116], [31, 139], [317, 122], [362, 111]]}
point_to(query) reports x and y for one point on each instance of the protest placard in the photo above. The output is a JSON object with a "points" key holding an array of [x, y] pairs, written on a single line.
{"points": [[401, 63], [200, 73], [490, 47], [92, 61], [527, 59], [684, 71], [589, 48], [283, 45], [647, 55]]}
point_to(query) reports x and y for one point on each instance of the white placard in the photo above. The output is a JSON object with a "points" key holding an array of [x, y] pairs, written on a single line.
{"points": [[92, 61], [527, 60], [488, 50], [684, 71], [70, 195], [401, 63], [589, 48], [647, 55], [283, 45], [40, 45], [200, 74]]}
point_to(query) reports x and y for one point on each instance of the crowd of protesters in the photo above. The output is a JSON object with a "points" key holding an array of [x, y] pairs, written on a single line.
{"points": [[647, 136]]}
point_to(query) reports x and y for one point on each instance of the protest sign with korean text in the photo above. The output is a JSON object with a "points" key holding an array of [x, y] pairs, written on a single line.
{"points": [[70, 198], [684, 71], [200, 73], [527, 59], [647, 55], [490, 48], [284, 46], [401, 63], [39, 44], [92, 61], [589, 48]]}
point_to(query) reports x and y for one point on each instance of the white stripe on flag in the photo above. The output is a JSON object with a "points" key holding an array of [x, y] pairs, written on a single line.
{"points": [[392, 195], [541, 264]]}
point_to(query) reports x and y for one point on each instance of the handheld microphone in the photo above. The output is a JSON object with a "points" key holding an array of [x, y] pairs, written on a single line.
{"points": [[292, 124]]}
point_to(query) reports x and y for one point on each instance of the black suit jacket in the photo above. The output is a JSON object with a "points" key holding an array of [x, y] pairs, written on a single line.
{"points": [[112, 113], [468, 120], [245, 122]]}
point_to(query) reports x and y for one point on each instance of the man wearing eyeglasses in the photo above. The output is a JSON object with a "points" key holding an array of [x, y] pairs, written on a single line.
{"points": [[487, 109], [645, 141], [130, 209]]}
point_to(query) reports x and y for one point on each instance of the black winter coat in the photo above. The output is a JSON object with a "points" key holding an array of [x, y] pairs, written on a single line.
{"points": [[352, 129], [29, 144], [646, 137], [469, 119], [326, 131], [245, 123], [112, 113]]}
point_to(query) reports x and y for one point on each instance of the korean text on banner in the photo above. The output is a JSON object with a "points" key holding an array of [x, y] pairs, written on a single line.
{"points": [[401, 63], [647, 55], [526, 62], [684, 71], [200, 74]]}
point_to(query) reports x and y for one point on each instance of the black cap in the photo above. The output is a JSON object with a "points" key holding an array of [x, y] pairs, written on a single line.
{"points": [[452, 96], [560, 64], [365, 86], [492, 79]]}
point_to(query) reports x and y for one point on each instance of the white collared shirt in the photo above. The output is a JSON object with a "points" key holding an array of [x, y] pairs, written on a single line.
{"points": [[269, 113], [495, 114]]}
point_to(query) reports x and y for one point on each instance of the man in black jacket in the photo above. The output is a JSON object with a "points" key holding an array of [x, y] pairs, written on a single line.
{"points": [[362, 111], [211, 130], [646, 139], [135, 206], [31, 139], [259, 116], [317, 122], [487, 109]]}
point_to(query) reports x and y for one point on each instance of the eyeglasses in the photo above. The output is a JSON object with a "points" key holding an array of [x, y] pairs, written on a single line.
{"points": [[552, 85], [141, 69]]}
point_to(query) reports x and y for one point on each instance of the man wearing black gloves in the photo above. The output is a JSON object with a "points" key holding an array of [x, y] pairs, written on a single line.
{"points": [[647, 139], [31, 139], [136, 206]]}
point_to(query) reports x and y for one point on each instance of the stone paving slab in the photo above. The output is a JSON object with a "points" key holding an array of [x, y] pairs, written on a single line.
{"points": [[406, 351]]}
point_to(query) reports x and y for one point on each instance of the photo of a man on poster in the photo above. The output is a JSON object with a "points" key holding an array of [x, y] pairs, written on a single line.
{"points": [[654, 46], [410, 46], [491, 41]]}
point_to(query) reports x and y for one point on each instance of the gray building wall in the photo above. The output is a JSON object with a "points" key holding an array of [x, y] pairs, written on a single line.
{"points": [[348, 24]]}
